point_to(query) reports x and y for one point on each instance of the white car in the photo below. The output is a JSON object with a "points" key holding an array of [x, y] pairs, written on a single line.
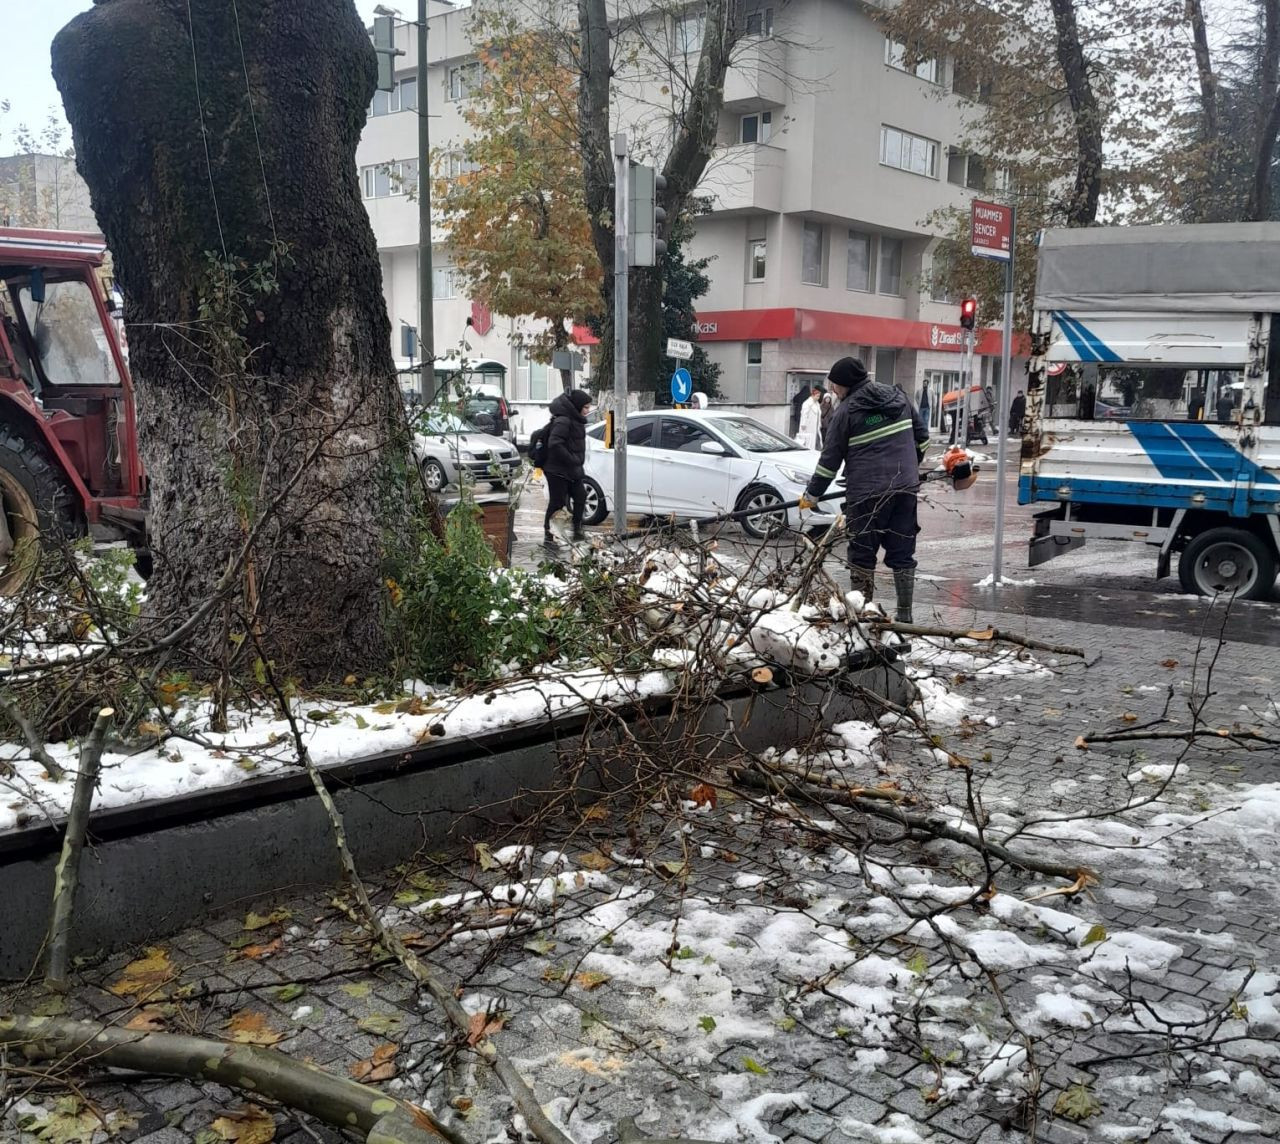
{"points": [[447, 448], [696, 463]]}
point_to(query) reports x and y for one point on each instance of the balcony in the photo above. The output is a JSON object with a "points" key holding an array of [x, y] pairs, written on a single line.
{"points": [[745, 179], [757, 76]]}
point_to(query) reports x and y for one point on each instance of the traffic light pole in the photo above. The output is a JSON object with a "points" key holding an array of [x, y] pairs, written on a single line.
{"points": [[1006, 387], [621, 305], [426, 314]]}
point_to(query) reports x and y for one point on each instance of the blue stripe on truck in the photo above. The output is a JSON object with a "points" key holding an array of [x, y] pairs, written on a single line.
{"points": [[1193, 451], [1087, 344]]}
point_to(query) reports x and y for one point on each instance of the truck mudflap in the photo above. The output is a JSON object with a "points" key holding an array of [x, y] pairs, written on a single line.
{"points": [[1043, 545]]}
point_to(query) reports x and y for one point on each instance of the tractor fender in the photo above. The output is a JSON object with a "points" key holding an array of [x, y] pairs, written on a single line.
{"points": [[27, 420]]}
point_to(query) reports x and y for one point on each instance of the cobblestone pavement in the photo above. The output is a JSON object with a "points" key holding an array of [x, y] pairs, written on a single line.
{"points": [[730, 974]]}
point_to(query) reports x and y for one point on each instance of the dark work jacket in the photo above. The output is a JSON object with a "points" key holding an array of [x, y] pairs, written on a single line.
{"points": [[567, 441], [880, 439]]}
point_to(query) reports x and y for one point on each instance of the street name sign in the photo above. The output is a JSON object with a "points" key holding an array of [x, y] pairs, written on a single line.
{"points": [[991, 231], [679, 349]]}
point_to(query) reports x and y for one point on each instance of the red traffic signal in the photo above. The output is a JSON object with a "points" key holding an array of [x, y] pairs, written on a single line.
{"points": [[968, 312]]}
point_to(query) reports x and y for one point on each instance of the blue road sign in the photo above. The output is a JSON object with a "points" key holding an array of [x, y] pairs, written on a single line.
{"points": [[681, 386]]}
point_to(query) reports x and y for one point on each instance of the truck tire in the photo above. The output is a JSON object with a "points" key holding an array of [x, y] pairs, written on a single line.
{"points": [[1228, 561], [37, 504]]}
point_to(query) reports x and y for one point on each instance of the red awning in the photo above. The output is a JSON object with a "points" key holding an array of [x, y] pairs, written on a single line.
{"points": [[584, 337]]}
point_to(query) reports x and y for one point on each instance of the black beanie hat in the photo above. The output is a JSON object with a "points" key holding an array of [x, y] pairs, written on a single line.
{"points": [[848, 372], [580, 398]]}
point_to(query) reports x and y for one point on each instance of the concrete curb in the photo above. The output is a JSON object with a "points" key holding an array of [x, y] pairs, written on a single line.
{"points": [[156, 867]]}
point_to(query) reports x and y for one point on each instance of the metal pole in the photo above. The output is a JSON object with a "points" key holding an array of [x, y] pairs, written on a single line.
{"points": [[1006, 387], [966, 380], [426, 313], [621, 261]]}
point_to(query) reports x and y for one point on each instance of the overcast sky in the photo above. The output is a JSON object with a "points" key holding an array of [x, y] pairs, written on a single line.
{"points": [[29, 27]]}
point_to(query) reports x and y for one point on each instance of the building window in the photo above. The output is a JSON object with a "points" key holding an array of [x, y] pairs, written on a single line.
{"points": [[757, 127], [909, 58], [688, 33], [890, 265], [965, 170], [458, 164], [381, 180], [758, 21], [886, 366], [811, 256], [756, 251], [532, 377], [908, 152], [444, 282], [940, 274], [464, 80], [755, 362], [402, 97], [858, 273], [971, 85]]}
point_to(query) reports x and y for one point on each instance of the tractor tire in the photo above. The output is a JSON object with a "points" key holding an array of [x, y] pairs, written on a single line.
{"points": [[39, 507], [1229, 562]]}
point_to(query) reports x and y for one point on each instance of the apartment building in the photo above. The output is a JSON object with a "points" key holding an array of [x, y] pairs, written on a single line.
{"points": [[835, 147], [44, 191]]}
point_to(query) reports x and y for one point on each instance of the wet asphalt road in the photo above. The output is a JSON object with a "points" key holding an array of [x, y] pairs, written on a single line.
{"points": [[1110, 583]]}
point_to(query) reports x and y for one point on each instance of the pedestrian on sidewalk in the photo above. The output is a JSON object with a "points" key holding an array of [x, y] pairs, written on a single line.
{"points": [[810, 435], [829, 403], [879, 437], [1017, 411], [566, 454]]}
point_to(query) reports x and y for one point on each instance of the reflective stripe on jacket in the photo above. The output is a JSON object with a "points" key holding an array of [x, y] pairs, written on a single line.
{"points": [[878, 436]]}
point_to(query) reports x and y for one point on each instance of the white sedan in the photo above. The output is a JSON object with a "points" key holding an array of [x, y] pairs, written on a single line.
{"points": [[696, 463]]}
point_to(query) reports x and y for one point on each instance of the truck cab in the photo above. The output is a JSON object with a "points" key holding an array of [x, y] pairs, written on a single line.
{"points": [[68, 431], [1179, 328]]}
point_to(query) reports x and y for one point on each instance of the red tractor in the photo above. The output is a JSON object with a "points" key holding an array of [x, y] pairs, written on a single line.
{"points": [[68, 431]]}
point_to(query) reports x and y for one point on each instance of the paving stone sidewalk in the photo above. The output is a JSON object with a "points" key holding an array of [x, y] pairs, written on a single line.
{"points": [[751, 910]]}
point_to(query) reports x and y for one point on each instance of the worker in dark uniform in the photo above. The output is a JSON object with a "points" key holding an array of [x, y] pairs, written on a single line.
{"points": [[879, 437]]}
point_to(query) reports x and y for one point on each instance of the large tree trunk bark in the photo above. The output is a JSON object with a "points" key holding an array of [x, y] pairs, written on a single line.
{"points": [[1082, 209], [216, 136]]}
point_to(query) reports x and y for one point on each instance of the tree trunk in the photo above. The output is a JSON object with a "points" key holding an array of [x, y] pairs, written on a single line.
{"points": [[691, 150], [1204, 72], [218, 142], [1082, 210], [1268, 127]]}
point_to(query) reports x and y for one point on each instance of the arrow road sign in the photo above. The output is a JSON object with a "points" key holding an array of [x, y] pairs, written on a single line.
{"points": [[681, 386]]}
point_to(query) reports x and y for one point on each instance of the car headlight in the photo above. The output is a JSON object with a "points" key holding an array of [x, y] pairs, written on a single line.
{"points": [[795, 475]]}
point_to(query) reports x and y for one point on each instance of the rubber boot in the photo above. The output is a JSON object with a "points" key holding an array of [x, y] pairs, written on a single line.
{"points": [[863, 580], [549, 540], [904, 584], [579, 537]]}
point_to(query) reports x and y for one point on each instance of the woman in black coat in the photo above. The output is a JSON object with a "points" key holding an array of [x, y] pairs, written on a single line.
{"points": [[566, 453]]}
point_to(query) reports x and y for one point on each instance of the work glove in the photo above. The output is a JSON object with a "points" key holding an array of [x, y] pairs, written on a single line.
{"points": [[808, 503], [537, 474]]}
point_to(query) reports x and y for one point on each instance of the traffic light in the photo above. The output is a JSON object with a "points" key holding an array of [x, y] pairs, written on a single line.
{"points": [[384, 43], [968, 311], [646, 217]]}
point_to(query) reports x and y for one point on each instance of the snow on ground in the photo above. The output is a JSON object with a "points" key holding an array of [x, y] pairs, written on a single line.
{"points": [[1005, 582]]}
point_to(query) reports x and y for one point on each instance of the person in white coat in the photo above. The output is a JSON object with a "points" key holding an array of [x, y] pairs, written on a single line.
{"points": [[810, 435]]}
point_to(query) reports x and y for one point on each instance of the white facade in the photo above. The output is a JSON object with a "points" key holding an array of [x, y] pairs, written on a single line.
{"points": [[831, 157]]}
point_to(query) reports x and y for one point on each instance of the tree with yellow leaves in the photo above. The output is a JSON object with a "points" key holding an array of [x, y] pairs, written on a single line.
{"points": [[512, 195]]}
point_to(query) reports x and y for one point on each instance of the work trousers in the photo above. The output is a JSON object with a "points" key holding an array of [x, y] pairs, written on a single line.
{"points": [[886, 521], [562, 491]]}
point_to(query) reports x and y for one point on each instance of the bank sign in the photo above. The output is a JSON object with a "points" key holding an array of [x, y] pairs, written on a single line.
{"points": [[991, 230]]}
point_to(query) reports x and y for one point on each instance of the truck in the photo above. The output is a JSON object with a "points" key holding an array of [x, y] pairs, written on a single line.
{"points": [[69, 462], [1182, 323]]}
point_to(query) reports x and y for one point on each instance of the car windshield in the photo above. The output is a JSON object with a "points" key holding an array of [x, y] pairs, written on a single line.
{"points": [[751, 435], [437, 422]]}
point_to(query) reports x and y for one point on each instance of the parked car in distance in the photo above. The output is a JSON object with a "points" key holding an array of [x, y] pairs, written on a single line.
{"points": [[695, 463], [446, 448], [1105, 411], [489, 413]]}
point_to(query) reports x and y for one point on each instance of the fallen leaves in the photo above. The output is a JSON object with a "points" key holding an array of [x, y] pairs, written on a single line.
{"points": [[482, 1025], [1169, 663], [74, 1121], [381, 1024], [248, 1027], [594, 860], [379, 1065], [254, 921], [1077, 1103], [148, 1020], [146, 977], [248, 1125], [260, 952], [1096, 933], [704, 794], [590, 979]]}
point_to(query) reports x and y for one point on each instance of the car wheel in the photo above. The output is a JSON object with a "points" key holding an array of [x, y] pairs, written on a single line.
{"points": [[1228, 561], [594, 508], [764, 523], [433, 475]]}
